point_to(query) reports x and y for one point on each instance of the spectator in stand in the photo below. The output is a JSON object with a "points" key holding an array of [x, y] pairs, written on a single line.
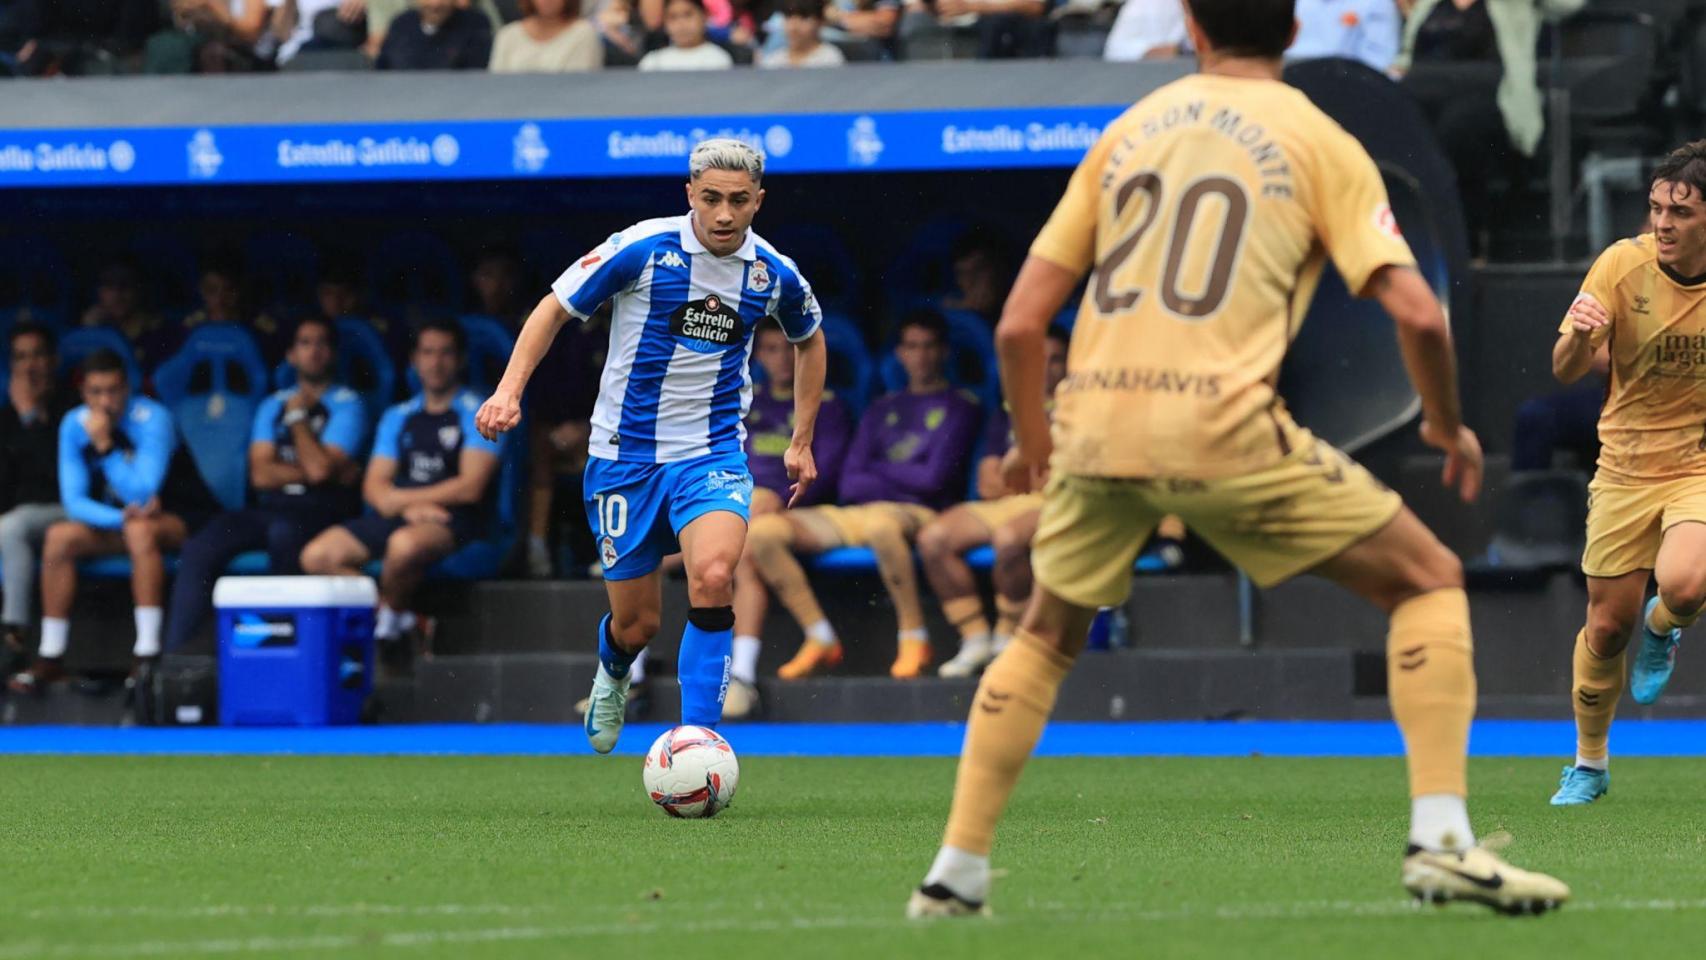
{"points": [[210, 36], [436, 35], [1362, 30], [875, 20], [550, 37], [340, 293], [1005, 28], [684, 21], [908, 460], [996, 515], [29, 478], [983, 273], [83, 36], [381, 14], [496, 281], [769, 430], [559, 417], [1487, 120], [222, 294], [621, 31], [127, 487], [119, 305], [802, 25], [304, 465], [1147, 30], [428, 485], [293, 23]]}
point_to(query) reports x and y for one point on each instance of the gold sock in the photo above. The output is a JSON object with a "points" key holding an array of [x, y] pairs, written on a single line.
{"points": [[1664, 620], [770, 543], [1012, 705], [966, 614], [894, 561], [1596, 684], [1430, 678], [1007, 615]]}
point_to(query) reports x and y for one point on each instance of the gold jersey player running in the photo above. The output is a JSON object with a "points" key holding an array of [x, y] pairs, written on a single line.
{"points": [[1205, 215], [1645, 298]]}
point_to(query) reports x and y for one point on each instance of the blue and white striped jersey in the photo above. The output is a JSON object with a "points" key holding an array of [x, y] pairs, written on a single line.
{"points": [[675, 382]]}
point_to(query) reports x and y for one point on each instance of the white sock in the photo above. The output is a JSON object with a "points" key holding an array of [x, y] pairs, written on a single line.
{"points": [[821, 632], [148, 631], [1440, 822], [967, 874], [745, 666], [916, 635], [55, 636], [977, 641], [385, 623], [637, 669], [406, 621], [1603, 763]]}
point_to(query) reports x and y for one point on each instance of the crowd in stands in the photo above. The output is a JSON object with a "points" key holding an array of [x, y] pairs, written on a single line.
{"points": [[180, 36], [173, 446]]}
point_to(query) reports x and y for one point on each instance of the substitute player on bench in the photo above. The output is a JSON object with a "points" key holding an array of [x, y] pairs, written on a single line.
{"points": [[1207, 212]]}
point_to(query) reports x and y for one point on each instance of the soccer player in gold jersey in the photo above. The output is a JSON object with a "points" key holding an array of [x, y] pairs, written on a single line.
{"points": [[1204, 216], [1646, 297]]}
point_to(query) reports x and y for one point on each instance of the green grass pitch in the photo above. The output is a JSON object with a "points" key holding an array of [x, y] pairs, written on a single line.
{"points": [[564, 857]]}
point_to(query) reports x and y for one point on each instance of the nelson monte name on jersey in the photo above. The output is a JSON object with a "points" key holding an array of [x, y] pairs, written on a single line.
{"points": [[676, 383]]}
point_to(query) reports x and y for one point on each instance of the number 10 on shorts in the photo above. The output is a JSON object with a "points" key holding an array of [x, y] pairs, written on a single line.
{"points": [[612, 512]]}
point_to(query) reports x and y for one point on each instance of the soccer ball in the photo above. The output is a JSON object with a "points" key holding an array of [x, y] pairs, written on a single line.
{"points": [[691, 772]]}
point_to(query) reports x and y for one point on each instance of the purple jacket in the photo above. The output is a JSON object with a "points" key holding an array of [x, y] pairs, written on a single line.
{"points": [[912, 448], [770, 428]]}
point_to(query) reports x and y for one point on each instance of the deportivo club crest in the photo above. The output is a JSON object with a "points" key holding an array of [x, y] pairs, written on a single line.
{"points": [[607, 552], [758, 278]]}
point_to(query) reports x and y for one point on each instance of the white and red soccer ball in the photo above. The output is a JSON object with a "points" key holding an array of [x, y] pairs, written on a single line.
{"points": [[691, 772]]}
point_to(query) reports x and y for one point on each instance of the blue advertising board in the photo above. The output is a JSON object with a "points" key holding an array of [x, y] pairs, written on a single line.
{"points": [[522, 149]]}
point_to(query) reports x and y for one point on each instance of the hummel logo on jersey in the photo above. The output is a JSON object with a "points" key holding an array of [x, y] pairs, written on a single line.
{"points": [[672, 259]]}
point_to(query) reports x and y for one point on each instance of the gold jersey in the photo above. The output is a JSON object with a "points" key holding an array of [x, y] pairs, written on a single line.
{"points": [[1206, 211], [1653, 424]]}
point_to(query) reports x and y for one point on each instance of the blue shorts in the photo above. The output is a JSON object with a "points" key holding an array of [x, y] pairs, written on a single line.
{"points": [[636, 510]]}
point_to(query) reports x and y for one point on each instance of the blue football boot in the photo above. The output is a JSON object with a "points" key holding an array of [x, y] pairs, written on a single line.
{"points": [[1654, 661], [1581, 785]]}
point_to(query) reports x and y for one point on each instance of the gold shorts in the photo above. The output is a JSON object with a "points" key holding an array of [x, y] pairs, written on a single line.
{"points": [[1273, 523], [1627, 522], [851, 526], [995, 514]]}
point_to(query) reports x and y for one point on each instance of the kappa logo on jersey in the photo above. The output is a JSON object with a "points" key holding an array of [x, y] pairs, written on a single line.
{"points": [[758, 278], [709, 321], [672, 259]]}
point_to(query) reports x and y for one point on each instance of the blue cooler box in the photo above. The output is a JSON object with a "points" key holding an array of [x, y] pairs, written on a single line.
{"points": [[294, 651]]}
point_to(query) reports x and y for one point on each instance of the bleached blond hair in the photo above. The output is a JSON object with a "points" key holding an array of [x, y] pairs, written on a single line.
{"points": [[726, 153]]}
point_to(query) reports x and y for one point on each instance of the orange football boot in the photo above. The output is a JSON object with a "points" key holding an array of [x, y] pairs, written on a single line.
{"points": [[813, 658], [910, 661]]}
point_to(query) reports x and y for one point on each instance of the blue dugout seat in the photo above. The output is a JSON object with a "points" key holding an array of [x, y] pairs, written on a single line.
{"points": [[77, 344], [213, 385]]}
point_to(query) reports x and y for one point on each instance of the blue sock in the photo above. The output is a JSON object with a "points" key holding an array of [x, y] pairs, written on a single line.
{"points": [[704, 664], [616, 660]]}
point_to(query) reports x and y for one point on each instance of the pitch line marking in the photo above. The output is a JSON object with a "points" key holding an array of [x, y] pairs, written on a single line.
{"points": [[1053, 913]]}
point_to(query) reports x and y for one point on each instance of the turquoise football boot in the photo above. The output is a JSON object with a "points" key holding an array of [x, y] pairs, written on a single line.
{"points": [[1581, 785], [1654, 661]]}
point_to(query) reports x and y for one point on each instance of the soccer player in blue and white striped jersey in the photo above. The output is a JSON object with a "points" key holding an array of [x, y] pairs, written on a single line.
{"points": [[667, 464]]}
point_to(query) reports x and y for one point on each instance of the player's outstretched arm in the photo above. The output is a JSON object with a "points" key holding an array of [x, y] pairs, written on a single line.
{"points": [[1038, 294], [1424, 336], [1573, 354], [502, 411], [811, 366]]}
